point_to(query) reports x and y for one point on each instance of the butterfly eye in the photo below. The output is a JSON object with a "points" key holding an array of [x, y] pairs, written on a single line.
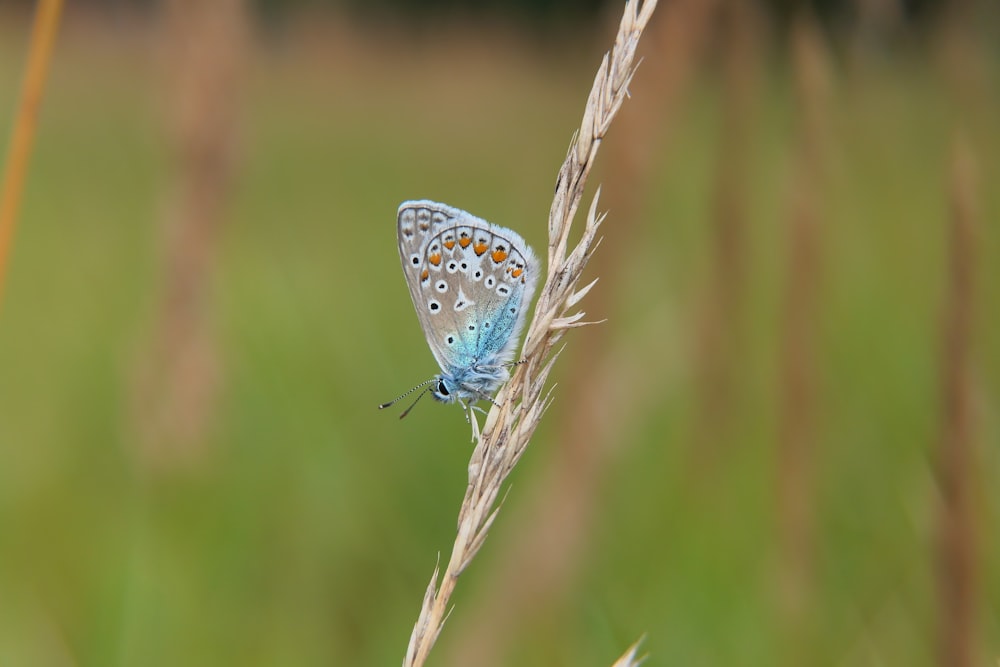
{"points": [[443, 390]]}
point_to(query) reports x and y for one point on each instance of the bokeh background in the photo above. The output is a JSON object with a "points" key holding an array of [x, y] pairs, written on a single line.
{"points": [[779, 449]]}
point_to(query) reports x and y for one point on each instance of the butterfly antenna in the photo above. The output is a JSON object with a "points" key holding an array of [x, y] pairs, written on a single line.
{"points": [[382, 406], [415, 401]]}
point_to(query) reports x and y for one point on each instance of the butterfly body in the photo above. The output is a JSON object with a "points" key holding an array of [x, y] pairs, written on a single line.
{"points": [[471, 283]]}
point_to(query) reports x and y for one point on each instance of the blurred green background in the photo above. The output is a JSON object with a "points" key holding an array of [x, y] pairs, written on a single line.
{"points": [[210, 483]]}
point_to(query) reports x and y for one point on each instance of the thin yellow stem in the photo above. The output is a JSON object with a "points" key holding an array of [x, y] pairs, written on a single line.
{"points": [[43, 37]]}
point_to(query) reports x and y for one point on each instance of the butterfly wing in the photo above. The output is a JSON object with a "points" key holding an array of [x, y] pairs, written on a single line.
{"points": [[471, 283]]}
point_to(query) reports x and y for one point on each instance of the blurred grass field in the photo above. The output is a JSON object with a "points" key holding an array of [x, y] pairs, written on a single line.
{"points": [[305, 529]]}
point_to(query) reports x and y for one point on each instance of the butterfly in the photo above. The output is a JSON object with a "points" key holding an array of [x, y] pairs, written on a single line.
{"points": [[471, 283]]}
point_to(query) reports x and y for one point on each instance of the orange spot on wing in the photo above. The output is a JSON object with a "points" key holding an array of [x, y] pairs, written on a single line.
{"points": [[435, 259], [449, 244], [479, 248], [499, 256], [516, 272], [423, 276], [464, 241]]}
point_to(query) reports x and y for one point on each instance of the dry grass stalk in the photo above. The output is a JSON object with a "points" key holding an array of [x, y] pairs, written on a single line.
{"points": [[43, 37], [521, 403], [958, 581], [630, 657], [534, 571], [721, 324], [797, 435], [179, 376]]}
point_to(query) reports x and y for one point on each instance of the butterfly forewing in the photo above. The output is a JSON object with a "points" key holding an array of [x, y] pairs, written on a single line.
{"points": [[471, 283]]}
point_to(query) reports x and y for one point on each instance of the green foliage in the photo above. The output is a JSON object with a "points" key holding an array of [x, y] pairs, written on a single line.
{"points": [[306, 531]]}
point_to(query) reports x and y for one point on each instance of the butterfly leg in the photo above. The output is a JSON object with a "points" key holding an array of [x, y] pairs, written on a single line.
{"points": [[480, 395], [470, 418]]}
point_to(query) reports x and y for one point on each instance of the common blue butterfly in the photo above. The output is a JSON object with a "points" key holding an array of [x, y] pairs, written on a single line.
{"points": [[471, 283]]}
